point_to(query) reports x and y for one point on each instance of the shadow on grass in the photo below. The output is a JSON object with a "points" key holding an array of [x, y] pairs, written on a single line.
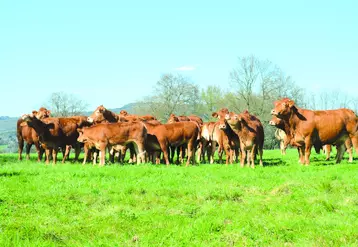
{"points": [[9, 174], [275, 162]]}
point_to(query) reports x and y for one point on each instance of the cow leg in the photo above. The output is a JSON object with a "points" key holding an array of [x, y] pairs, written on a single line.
{"points": [[243, 155], [341, 149], [54, 155], [111, 152], [251, 154], [165, 149], [212, 151], [123, 153], [28, 148], [48, 152], [282, 147], [328, 149], [301, 154], [85, 157], [191, 153], [348, 143], [201, 153], [140, 151], [308, 147], [39, 151], [67, 151], [95, 155], [21, 146], [102, 155], [77, 151], [261, 152]]}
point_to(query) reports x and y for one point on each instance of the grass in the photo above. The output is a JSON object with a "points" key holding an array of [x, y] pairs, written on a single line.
{"points": [[282, 204]]}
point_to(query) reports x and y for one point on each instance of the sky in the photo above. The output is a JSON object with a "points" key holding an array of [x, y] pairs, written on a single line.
{"points": [[114, 52]]}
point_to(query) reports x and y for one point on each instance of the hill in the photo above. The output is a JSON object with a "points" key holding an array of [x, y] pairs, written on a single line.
{"points": [[8, 124]]}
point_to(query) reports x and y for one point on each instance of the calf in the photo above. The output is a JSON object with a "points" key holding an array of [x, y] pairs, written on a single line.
{"points": [[29, 135], [105, 135], [225, 137], [177, 134], [251, 134]]}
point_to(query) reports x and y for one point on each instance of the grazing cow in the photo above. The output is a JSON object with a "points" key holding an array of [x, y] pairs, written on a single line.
{"points": [[55, 133], [251, 133], [108, 135], [28, 134], [309, 127], [177, 134], [225, 137]]}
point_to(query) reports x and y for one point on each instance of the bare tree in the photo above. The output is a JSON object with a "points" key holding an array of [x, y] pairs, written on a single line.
{"points": [[64, 104], [245, 78], [172, 94]]}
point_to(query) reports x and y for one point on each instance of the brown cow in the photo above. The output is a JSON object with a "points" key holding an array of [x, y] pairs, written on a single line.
{"points": [[192, 118], [103, 115], [207, 142], [55, 133], [225, 137], [251, 133], [105, 135], [321, 127], [125, 117], [28, 134], [177, 134]]}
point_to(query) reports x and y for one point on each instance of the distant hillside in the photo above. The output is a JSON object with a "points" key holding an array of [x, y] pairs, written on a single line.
{"points": [[128, 107], [8, 124]]}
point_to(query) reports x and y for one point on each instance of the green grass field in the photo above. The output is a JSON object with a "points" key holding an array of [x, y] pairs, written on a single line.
{"points": [[282, 204]]}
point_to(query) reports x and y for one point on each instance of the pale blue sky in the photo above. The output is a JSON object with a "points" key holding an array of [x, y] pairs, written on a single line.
{"points": [[113, 52]]}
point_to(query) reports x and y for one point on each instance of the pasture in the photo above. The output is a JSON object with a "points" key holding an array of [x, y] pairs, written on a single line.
{"points": [[281, 204]]}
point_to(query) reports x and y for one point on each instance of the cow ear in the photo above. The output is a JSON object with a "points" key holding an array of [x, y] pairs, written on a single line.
{"points": [[172, 115], [79, 130], [48, 112], [215, 115], [290, 103], [34, 112]]}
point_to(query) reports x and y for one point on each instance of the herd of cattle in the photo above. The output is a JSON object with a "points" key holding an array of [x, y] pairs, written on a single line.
{"points": [[147, 139]]}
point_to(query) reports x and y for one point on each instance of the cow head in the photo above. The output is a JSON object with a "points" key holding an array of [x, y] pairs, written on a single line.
{"points": [[98, 116], [282, 107], [221, 116], [123, 113], [41, 113], [81, 137], [172, 118], [232, 118], [275, 121], [39, 126]]}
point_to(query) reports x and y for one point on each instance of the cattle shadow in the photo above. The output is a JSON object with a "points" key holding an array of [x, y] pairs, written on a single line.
{"points": [[274, 162], [9, 174]]}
